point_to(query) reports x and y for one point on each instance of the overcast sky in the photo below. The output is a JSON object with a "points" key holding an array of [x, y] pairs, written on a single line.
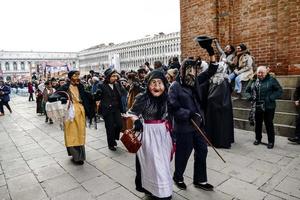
{"points": [[74, 25]]}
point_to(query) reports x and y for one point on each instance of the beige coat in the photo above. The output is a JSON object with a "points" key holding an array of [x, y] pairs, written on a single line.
{"points": [[245, 68]]}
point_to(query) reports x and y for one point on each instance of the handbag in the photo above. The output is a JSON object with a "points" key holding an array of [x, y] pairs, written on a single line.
{"points": [[127, 122], [131, 141]]}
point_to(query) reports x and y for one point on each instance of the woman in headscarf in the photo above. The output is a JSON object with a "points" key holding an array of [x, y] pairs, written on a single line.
{"points": [[74, 128], [153, 168]]}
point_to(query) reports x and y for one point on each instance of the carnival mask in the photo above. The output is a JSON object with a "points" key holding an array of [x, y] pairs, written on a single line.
{"points": [[189, 76], [156, 87]]}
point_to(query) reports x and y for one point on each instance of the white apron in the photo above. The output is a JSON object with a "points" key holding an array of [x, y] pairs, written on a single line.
{"points": [[155, 159]]}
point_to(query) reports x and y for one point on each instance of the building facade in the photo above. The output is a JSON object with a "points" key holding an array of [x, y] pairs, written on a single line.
{"points": [[132, 54], [18, 65], [270, 29], [22, 64]]}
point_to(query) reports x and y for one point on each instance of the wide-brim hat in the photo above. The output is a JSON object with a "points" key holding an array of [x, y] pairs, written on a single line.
{"points": [[108, 72], [203, 40]]}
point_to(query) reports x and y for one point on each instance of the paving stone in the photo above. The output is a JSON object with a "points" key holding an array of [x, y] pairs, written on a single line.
{"points": [[35, 192], [93, 155], [263, 179], [124, 176], [28, 147], [105, 164], [285, 161], [4, 194], [196, 193], [295, 173], [98, 144], [25, 187], [119, 193], [100, 185], [263, 166], [127, 159], [76, 194], [15, 167], [263, 155], [34, 153], [272, 197], [283, 195], [289, 186], [216, 178], [241, 190], [2, 180], [59, 185], [23, 141], [84, 172], [49, 172], [242, 173], [40, 162]]}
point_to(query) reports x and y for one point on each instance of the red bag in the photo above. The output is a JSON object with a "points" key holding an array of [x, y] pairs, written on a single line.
{"points": [[127, 123], [131, 141]]}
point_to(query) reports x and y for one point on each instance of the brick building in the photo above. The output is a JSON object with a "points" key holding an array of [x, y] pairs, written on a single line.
{"points": [[270, 29]]}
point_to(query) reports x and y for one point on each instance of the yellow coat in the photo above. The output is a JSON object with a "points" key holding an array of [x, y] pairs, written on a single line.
{"points": [[75, 130]]}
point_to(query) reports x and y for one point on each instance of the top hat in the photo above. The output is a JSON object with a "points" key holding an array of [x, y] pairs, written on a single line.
{"points": [[204, 40]]}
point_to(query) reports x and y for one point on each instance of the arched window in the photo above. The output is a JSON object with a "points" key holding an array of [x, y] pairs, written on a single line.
{"points": [[7, 68], [22, 66]]}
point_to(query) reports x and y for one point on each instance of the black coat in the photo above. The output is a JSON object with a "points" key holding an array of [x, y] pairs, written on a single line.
{"points": [[104, 94], [84, 96], [183, 101]]}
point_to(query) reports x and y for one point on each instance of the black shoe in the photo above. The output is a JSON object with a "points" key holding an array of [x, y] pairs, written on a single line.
{"points": [[115, 144], [112, 148], [46, 120], [294, 139], [77, 162], [206, 186], [51, 122], [270, 145], [180, 184], [140, 189], [256, 142]]}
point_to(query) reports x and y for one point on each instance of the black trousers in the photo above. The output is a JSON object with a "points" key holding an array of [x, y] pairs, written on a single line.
{"points": [[4, 104], [185, 143], [297, 130], [113, 126], [30, 97], [267, 116]]}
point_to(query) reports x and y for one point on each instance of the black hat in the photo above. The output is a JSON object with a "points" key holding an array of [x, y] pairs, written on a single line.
{"points": [[108, 72], [203, 40], [71, 73], [142, 69], [157, 74]]}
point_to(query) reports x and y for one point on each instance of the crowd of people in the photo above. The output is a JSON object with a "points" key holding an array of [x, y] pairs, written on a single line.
{"points": [[162, 102]]}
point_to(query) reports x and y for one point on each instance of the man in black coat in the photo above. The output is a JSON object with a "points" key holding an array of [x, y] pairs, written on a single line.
{"points": [[184, 105], [111, 106]]}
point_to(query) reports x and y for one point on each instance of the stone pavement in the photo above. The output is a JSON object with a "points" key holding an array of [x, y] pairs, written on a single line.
{"points": [[35, 165]]}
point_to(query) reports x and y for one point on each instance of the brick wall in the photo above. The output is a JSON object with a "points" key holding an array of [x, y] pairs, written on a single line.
{"points": [[270, 29]]}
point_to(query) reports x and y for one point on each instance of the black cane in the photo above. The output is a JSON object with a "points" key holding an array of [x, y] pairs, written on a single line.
{"points": [[206, 139]]}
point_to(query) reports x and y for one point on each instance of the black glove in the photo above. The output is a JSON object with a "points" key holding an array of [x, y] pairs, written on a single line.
{"points": [[197, 118], [212, 69], [137, 125]]}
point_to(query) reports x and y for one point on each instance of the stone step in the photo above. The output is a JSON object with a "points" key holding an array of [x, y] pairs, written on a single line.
{"points": [[279, 118], [289, 81], [288, 93], [280, 129], [281, 105]]}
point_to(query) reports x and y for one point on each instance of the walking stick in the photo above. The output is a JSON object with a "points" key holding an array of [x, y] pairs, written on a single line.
{"points": [[206, 139]]}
